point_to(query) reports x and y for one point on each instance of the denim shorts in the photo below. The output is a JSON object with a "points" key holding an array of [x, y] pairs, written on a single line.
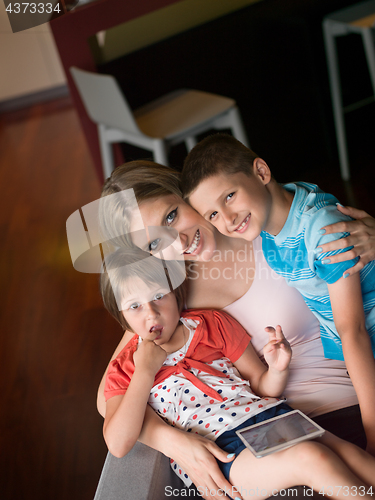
{"points": [[230, 442]]}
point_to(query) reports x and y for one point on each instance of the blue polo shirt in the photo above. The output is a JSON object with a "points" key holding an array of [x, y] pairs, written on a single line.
{"points": [[293, 254]]}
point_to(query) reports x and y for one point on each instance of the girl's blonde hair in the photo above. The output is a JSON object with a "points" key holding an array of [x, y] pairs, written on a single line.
{"points": [[125, 264], [147, 180]]}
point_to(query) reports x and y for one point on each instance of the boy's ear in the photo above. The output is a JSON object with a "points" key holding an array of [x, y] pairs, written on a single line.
{"points": [[262, 170]]}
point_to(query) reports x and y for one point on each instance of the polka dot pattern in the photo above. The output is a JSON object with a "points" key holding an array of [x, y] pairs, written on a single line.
{"points": [[188, 408], [183, 405]]}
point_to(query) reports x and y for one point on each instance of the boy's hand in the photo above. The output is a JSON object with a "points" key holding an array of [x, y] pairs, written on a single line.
{"points": [[362, 238], [277, 352], [149, 356]]}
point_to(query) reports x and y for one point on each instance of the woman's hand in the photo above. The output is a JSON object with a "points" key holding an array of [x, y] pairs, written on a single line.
{"points": [[193, 453], [277, 352], [197, 455], [362, 238]]}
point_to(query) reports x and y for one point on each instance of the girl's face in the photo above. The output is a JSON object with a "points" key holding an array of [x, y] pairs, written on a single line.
{"points": [[238, 205], [174, 228], [151, 310]]}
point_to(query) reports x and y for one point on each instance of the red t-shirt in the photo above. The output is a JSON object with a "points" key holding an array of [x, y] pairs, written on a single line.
{"points": [[218, 335]]}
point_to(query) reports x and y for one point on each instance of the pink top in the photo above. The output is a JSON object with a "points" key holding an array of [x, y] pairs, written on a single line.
{"points": [[316, 385]]}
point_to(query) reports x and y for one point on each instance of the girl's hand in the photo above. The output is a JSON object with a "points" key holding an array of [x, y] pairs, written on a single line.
{"points": [[149, 356], [362, 238], [277, 352], [196, 456]]}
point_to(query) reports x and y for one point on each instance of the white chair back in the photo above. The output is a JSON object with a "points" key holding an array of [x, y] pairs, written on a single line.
{"points": [[104, 101]]}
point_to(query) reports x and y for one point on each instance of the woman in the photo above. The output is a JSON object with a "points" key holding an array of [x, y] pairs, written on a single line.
{"points": [[231, 274]]}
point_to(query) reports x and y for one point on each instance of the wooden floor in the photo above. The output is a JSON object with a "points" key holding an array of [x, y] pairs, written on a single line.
{"points": [[55, 336]]}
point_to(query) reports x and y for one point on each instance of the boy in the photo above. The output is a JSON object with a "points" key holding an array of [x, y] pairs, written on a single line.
{"points": [[233, 188]]}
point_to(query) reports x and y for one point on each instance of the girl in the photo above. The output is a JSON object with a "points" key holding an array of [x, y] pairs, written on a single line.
{"points": [[201, 374]]}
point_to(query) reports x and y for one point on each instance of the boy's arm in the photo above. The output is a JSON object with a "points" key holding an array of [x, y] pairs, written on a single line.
{"points": [[349, 318], [125, 414], [100, 401], [265, 381]]}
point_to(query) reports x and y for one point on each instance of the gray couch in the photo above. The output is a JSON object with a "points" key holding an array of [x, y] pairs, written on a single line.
{"points": [[145, 474]]}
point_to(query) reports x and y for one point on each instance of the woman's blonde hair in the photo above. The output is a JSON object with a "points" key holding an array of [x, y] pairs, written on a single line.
{"points": [[147, 180]]}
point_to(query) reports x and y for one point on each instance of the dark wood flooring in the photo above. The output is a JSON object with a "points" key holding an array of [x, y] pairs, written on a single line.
{"points": [[56, 338]]}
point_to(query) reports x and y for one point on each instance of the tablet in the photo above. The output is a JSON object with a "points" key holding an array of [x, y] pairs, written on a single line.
{"points": [[279, 433]]}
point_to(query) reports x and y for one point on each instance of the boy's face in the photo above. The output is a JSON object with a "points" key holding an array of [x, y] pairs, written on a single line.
{"points": [[151, 310], [238, 205]]}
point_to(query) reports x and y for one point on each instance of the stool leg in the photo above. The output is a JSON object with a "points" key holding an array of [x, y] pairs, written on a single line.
{"points": [[106, 152], [238, 129], [160, 152], [190, 142], [232, 119], [338, 114], [368, 43]]}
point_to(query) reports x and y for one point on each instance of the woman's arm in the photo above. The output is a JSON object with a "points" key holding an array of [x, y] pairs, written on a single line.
{"points": [[362, 238], [100, 401], [195, 454], [269, 381], [348, 314]]}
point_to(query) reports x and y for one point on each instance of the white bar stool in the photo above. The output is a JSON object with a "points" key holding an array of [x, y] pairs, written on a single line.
{"points": [[360, 19], [176, 117]]}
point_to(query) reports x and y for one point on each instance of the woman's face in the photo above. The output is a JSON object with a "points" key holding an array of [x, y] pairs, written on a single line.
{"points": [[176, 229]]}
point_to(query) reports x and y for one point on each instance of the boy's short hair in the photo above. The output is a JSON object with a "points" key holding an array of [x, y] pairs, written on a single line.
{"points": [[127, 263], [217, 153]]}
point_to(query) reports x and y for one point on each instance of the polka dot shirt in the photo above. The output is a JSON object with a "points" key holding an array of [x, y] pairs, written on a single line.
{"points": [[185, 406]]}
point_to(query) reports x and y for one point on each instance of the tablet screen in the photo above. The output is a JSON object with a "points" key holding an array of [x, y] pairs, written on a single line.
{"points": [[279, 433]]}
